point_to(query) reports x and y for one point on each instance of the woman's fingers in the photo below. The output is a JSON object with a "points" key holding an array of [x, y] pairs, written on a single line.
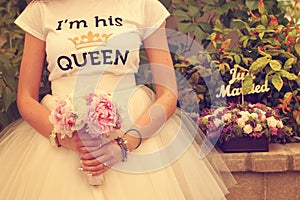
{"points": [[105, 156], [95, 170]]}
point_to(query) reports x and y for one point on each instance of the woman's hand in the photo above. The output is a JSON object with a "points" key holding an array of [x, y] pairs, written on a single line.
{"points": [[80, 141], [97, 160]]}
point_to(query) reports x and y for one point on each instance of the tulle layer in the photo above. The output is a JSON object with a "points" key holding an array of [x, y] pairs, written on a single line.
{"points": [[167, 166]]}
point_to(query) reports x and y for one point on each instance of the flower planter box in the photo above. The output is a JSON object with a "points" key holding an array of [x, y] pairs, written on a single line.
{"points": [[245, 144]]}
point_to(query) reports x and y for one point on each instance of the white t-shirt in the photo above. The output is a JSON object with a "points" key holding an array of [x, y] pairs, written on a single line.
{"points": [[94, 35]]}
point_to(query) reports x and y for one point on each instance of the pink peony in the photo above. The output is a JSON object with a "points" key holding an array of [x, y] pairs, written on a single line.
{"points": [[102, 115], [63, 118]]}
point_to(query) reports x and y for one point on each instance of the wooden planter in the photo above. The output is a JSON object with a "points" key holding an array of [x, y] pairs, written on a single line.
{"points": [[246, 144]]}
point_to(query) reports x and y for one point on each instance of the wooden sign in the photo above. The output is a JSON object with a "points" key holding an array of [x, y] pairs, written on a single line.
{"points": [[230, 91]]}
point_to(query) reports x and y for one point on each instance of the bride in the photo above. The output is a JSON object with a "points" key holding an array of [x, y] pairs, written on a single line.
{"points": [[93, 46]]}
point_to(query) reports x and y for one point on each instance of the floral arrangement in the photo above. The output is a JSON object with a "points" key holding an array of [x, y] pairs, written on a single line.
{"points": [[97, 113], [236, 120]]}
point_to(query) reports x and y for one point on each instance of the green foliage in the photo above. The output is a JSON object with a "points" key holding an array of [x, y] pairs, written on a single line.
{"points": [[252, 36], [11, 45]]}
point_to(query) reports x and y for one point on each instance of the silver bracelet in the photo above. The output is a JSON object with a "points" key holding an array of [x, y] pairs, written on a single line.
{"points": [[123, 145], [140, 136]]}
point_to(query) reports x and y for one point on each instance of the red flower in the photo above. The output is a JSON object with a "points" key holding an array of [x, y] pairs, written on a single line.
{"points": [[277, 39], [273, 21], [218, 37], [289, 40]]}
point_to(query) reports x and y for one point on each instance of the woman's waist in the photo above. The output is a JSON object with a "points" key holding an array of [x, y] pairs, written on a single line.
{"points": [[109, 83]]}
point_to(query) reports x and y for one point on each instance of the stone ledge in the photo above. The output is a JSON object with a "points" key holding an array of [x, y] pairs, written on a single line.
{"points": [[280, 158]]}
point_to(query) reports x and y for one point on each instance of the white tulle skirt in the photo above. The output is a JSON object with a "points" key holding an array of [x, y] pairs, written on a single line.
{"points": [[168, 166]]}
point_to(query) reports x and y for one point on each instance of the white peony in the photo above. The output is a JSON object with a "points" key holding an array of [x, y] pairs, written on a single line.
{"points": [[258, 128], [254, 115], [263, 117], [218, 122], [241, 122], [227, 117], [245, 115], [248, 129], [279, 124], [218, 110], [272, 122]]}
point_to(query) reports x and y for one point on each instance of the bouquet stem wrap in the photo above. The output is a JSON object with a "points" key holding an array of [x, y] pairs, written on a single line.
{"points": [[96, 180]]}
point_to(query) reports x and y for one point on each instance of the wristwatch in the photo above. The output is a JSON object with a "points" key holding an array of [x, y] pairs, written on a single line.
{"points": [[53, 139]]}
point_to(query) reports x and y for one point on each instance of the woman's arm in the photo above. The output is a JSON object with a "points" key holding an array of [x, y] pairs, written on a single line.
{"points": [[28, 92], [29, 83], [157, 50]]}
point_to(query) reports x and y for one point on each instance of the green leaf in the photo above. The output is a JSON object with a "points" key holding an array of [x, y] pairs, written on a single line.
{"points": [[194, 11], [247, 85], [243, 38], [199, 33], [181, 14], [288, 64], [245, 42], [237, 59], [264, 20], [293, 33], [218, 25], [275, 65], [241, 68], [8, 97], [288, 75], [186, 27], [193, 60], [297, 48], [287, 54], [208, 8], [277, 82], [260, 28], [262, 10], [220, 10], [237, 24], [259, 64], [205, 27], [261, 35], [252, 5]]}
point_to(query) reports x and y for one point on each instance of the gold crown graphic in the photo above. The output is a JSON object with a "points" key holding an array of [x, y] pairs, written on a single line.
{"points": [[90, 40]]}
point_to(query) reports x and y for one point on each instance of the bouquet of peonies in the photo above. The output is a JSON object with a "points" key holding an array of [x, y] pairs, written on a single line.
{"points": [[236, 120], [97, 113]]}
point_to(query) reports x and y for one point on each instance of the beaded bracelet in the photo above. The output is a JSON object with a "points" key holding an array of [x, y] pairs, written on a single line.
{"points": [[139, 133], [123, 145]]}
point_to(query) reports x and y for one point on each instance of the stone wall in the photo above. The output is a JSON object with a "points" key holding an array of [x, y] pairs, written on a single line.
{"points": [[273, 175]]}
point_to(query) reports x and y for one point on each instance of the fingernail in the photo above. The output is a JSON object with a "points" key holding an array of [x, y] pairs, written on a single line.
{"points": [[80, 169], [89, 174]]}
